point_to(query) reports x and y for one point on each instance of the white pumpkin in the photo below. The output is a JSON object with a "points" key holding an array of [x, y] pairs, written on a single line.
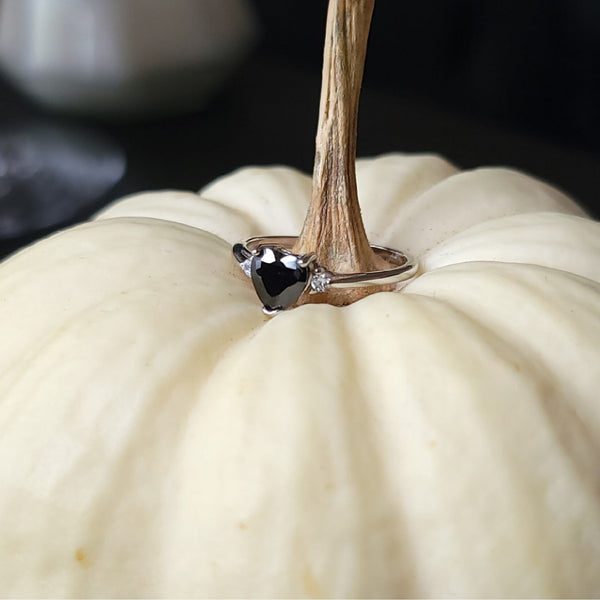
{"points": [[161, 437]]}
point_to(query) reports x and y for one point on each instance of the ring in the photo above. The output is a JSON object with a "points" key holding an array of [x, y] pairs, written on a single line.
{"points": [[280, 277]]}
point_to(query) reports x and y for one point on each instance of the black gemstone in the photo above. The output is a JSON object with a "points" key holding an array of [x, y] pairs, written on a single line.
{"points": [[278, 278]]}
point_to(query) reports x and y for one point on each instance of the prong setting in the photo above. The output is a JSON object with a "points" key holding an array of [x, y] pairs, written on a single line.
{"points": [[306, 260]]}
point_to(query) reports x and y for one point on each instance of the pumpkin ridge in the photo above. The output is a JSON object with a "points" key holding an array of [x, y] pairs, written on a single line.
{"points": [[125, 466], [466, 198], [535, 382], [410, 585], [262, 194], [575, 238], [186, 208], [546, 377], [525, 287]]}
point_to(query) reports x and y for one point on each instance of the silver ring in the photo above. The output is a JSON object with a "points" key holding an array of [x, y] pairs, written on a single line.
{"points": [[280, 277]]}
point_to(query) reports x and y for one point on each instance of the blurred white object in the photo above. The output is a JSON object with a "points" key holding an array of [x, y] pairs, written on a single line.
{"points": [[123, 57]]}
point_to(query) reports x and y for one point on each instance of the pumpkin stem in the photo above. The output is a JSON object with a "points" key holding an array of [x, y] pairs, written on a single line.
{"points": [[333, 228]]}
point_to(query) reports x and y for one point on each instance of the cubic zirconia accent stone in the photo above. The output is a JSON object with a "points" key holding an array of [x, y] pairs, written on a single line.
{"points": [[320, 282], [247, 266]]}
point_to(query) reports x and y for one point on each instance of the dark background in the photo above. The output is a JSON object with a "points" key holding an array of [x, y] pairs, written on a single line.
{"points": [[530, 65], [481, 82]]}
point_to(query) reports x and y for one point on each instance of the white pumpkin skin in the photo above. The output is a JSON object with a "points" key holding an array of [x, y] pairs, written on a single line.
{"points": [[160, 437]]}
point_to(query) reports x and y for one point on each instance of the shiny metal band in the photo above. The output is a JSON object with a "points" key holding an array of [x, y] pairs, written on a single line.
{"points": [[307, 271]]}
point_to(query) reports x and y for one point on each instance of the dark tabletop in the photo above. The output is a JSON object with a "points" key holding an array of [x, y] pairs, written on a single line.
{"points": [[268, 115]]}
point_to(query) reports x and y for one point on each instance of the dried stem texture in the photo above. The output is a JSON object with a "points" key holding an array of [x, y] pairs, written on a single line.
{"points": [[333, 229]]}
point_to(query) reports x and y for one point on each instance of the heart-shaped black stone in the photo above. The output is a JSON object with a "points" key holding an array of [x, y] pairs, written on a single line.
{"points": [[278, 278]]}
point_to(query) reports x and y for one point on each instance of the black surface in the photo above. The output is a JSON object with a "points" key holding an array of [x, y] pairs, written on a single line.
{"points": [[530, 64], [50, 173], [269, 116]]}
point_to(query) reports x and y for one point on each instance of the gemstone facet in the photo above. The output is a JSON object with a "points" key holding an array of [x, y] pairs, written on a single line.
{"points": [[278, 278], [320, 281], [246, 266]]}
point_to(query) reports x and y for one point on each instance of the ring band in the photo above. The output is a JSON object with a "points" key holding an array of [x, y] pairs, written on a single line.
{"points": [[280, 277]]}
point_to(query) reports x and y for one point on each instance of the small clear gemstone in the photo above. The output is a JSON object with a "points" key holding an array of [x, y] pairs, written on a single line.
{"points": [[320, 282], [247, 266]]}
